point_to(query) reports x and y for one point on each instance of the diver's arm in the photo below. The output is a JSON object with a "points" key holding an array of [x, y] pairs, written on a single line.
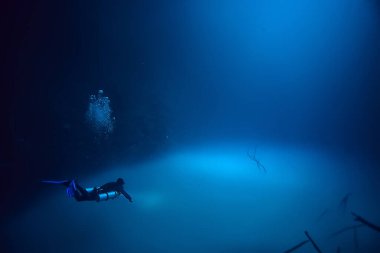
{"points": [[126, 195], [365, 222]]}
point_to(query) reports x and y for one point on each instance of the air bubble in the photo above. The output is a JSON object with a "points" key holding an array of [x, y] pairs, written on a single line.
{"points": [[99, 114]]}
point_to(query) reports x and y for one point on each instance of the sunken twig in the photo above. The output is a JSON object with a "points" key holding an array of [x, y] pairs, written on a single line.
{"points": [[323, 214], [252, 156], [344, 202], [313, 242], [294, 248], [365, 222], [340, 231], [356, 241]]}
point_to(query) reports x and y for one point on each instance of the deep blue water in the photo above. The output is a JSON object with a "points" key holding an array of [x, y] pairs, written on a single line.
{"points": [[194, 88]]}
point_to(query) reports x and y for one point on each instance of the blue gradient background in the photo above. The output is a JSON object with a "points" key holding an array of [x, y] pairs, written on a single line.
{"points": [[193, 85]]}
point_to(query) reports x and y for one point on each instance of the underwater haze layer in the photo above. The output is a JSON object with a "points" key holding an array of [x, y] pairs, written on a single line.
{"points": [[211, 198]]}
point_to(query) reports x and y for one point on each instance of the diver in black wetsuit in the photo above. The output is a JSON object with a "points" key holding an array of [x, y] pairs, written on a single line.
{"points": [[114, 187], [107, 191]]}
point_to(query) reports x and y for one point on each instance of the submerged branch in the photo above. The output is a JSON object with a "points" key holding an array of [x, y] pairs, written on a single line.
{"points": [[258, 163], [365, 222], [340, 231], [313, 242], [294, 248], [344, 202]]}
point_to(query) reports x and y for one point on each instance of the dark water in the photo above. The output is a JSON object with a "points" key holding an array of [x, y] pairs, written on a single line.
{"points": [[236, 125]]}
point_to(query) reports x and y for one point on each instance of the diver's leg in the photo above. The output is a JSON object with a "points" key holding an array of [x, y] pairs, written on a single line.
{"points": [[78, 197], [81, 189], [79, 193]]}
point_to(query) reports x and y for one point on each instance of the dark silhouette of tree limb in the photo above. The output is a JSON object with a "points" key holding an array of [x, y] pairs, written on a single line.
{"points": [[259, 165], [340, 231], [294, 248], [313, 242], [344, 202], [365, 222]]}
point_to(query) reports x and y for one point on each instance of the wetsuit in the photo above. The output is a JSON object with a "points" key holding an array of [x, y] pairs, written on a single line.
{"points": [[107, 191], [114, 186]]}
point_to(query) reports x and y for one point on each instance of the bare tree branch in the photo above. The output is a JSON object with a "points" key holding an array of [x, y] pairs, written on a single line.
{"points": [[259, 165]]}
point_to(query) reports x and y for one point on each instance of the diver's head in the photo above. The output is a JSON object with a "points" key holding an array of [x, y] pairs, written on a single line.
{"points": [[120, 181]]}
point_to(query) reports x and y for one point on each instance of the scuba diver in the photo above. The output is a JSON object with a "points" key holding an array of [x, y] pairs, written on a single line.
{"points": [[107, 191]]}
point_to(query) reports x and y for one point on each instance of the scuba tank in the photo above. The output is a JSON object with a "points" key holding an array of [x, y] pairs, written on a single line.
{"points": [[108, 195], [105, 195]]}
